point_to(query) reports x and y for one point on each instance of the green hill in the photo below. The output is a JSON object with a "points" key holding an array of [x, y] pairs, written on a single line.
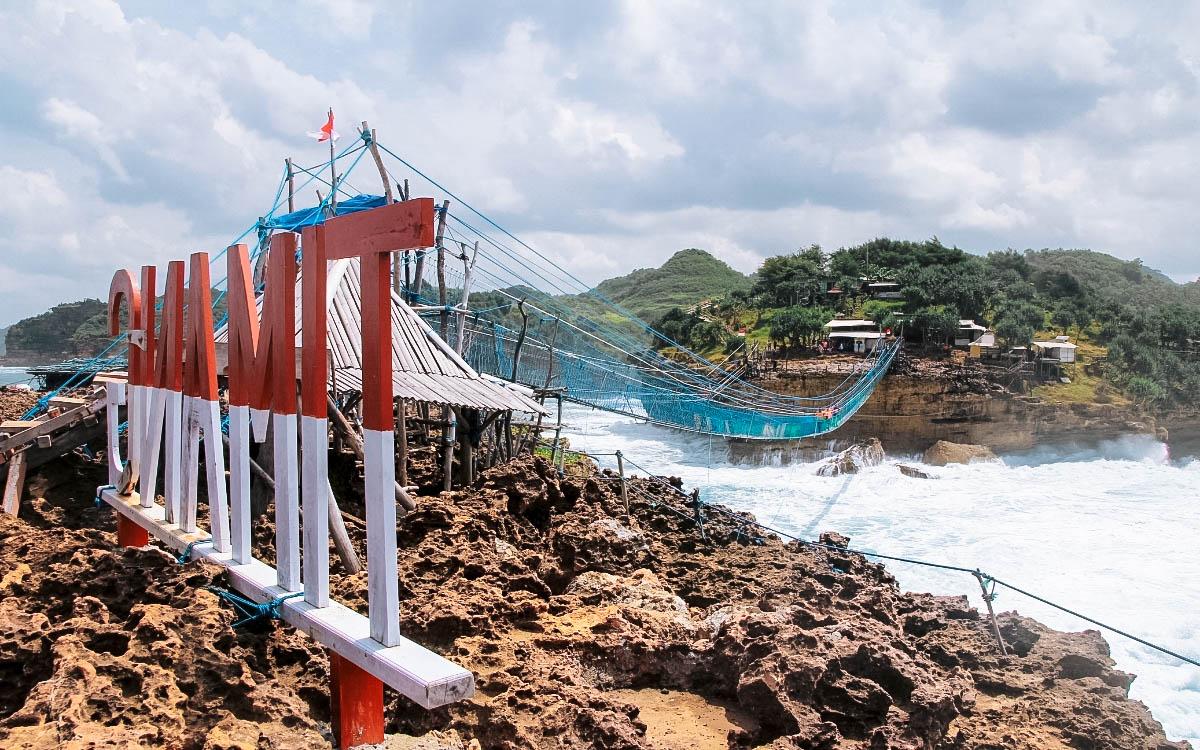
{"points": [[687, 278], [67, 330], [1112, 278]]}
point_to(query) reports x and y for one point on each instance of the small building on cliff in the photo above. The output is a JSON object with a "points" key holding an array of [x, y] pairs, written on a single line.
{"points": [[853, 335], [1060, 350], [968, 332]]}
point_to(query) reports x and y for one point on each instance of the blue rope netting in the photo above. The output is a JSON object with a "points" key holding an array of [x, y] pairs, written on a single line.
{"points": [[578, 342]]}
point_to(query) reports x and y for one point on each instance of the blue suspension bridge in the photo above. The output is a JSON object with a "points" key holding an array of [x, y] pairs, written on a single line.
{"points": [[538, 323]]}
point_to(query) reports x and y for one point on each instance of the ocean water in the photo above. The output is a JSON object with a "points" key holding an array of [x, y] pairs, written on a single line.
{"points": [[9, 375], [1109, 530]]}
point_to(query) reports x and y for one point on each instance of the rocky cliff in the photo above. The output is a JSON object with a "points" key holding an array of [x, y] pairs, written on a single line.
{"points": [[922, 401]]}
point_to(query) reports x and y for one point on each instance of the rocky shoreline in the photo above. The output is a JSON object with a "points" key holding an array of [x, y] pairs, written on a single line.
{"points": [[585, 627], [922, 401]]}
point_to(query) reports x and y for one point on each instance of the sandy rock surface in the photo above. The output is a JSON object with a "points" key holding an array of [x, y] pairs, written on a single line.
{"points": [[585, 628]]}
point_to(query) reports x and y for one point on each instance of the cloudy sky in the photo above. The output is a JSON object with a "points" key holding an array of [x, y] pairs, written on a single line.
{"points": [[607, 135]]}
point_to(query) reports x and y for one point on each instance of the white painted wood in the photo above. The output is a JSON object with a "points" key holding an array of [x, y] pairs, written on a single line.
{"points": [[409, 668], [239, 483], [258, 424], [287, 501], [190, 463], [209, 413], [152, 443], [173, 447], [315, 488], [135, 423], [112, 401], [383, 603]]}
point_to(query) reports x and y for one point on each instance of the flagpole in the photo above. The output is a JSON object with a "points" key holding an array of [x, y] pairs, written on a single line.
{"points": [[332, 171]]}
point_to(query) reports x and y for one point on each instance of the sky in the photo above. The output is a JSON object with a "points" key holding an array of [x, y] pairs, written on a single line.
{"points": [[607, 135]]}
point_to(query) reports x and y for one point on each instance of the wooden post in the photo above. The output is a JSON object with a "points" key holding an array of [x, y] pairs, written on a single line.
{"points": [[14, 485], [371, 236], [468, 268], [441, 269], [356, 704], [557, 428], [624, 488], [332, 173], [448, 437], [130, 534], [402, 433], [291, 180], [419, 274], [987, 599], [520, 339]]}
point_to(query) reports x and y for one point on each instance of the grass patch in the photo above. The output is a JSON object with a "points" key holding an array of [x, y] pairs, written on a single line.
{"points": [[1084, 388]]}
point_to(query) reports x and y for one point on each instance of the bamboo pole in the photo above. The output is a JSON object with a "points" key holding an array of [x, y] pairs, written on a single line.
{"points": [[466, 297]]}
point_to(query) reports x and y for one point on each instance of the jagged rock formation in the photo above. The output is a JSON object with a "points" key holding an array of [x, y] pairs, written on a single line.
{"points": [[922, 401], [586, 628], [852, 460]]}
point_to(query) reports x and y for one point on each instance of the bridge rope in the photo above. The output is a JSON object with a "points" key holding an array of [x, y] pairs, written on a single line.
{"points": [[606, 357]]}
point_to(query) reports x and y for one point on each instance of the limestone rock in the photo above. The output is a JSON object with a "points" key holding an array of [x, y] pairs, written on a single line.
{"points": [[852, 460], [944, 452]]}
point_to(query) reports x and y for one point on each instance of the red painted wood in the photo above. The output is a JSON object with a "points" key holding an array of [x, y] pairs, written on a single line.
{"points": [[123, 287], [372, 236], [377, 342], [200, 358], [129, 534], [243, 324], [315, 351], [149, 292], [169, 349], [262, 354], [356, 702], [400, 226]]}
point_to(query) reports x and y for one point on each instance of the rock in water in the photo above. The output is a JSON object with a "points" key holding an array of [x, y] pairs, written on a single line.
{"points": [[856, 457], [912, 471], [944, 452]]}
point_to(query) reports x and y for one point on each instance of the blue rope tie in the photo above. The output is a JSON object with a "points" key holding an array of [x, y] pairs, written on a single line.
{"points": [[186, 555], [251, 611], [100, 490]]}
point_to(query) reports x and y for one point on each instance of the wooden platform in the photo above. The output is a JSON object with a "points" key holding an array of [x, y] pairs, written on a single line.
{"points": [[26, 444]]}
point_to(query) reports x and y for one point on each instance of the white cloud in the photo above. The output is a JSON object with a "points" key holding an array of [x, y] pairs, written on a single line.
{"points": [[611, 136]]}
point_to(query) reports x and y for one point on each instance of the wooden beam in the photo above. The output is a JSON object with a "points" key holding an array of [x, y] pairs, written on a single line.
{"points": [[414, 671], [14, 484]]}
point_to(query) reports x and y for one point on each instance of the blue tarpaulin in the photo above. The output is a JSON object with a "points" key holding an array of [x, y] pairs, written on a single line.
{"points": [[308, 217]]}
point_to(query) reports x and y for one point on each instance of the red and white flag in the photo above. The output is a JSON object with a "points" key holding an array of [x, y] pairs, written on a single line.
{"points": [[326, 133]]}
